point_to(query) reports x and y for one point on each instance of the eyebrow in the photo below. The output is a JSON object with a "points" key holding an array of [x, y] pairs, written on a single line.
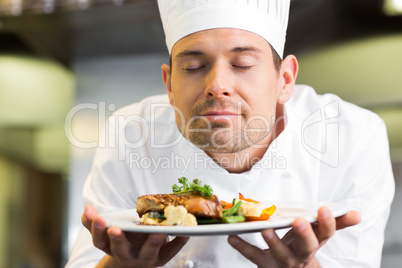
{"points": [[186, 53], [236, 50], [246, 49]]}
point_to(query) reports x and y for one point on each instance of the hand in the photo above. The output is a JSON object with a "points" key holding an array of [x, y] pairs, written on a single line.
{"points": [[299, 246], [127, 249]]}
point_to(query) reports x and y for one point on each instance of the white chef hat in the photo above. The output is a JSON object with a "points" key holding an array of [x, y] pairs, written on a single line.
{"points": [[267, 18]]}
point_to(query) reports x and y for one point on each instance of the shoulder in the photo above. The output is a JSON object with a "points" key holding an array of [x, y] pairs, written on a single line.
{"points": [[306, 103], [151, 109], [150, 121], [330, 126]]}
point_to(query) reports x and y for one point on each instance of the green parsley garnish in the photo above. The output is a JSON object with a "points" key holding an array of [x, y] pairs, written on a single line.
{"points": [[194, 186]]}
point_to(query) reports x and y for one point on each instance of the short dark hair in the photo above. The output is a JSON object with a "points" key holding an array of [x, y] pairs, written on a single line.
{"points": [[277, 59]]}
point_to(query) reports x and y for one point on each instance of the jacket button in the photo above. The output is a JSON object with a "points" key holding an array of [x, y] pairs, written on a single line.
{"points": [[189, 264]]}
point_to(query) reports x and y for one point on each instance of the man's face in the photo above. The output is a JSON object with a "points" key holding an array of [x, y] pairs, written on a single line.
{"points": [[224, 87]]}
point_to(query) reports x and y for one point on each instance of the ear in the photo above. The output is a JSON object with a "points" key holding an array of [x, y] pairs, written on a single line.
{"points": [[288, 74], [166, 77]]}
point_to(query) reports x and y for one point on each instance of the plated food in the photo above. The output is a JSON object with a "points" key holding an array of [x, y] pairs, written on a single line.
{"points": [[192, 204]]}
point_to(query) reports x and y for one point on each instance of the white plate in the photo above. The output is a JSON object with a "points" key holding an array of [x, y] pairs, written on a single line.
{"points": [[128, 220]]}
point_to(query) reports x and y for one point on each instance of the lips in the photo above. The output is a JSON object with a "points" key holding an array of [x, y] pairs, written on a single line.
{"points": [[220, 116], [220, 113]]}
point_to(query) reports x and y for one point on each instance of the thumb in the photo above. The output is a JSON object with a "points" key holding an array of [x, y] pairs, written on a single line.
{"points": [[90, 213], [349, 219]]}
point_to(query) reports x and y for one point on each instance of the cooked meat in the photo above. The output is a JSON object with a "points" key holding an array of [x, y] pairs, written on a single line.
{"points": [[203, 207], [196, 204]]}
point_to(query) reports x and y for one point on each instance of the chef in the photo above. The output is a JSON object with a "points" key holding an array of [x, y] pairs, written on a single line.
{"points": [[235, 117]]}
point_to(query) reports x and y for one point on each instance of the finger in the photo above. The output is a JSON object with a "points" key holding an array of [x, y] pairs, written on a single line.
{"points": [[279, 250], [150, 250], [100, 238], [288, 237], [120, 247], [305, 243], [326, 225], [249, 251], [88, 216], [349, 219], [169, 250]]}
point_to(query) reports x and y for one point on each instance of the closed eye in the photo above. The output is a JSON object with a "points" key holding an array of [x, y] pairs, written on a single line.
{"points": [[193, 69], [243, 67]]}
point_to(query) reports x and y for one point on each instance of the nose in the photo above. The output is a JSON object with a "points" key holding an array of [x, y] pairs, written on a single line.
{"points": [[218, 82]]}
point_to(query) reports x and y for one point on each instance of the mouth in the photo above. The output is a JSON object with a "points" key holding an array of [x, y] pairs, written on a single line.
{"points": [[220, 115]]}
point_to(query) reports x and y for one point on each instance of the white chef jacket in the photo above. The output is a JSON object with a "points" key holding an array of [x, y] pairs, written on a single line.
{"points": [[329, 151]]}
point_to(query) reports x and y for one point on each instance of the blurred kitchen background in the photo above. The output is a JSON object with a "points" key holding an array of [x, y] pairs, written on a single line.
{"points": [[65, 65]]}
